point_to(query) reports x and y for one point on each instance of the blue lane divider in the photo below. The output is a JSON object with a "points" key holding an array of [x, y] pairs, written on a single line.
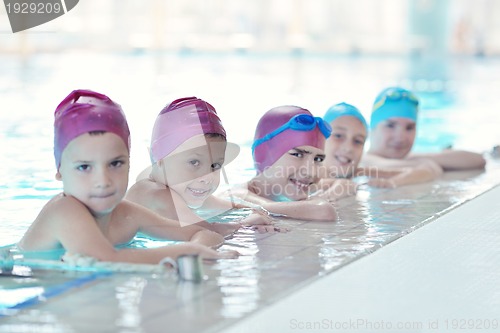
{"points": [[57, 290]]}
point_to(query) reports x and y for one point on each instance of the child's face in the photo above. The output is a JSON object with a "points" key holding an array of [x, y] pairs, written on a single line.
{"points": [[344, 147], [291, 176], [192, 170], [94, 169], [393, 138]]}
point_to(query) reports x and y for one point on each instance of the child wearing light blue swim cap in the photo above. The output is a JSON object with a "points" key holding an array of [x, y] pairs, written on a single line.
{"points": [[344, 150], [393, 124], [344, 147]]}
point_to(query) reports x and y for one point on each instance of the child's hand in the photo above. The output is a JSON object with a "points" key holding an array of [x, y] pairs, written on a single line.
{"points": [[256, 218], [227, 254], [207, 253], [339, 189], [262, 223], [225, 229], [382, 183], [262, 229]]}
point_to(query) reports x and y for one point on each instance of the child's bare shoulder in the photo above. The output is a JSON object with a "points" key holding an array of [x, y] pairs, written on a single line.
{"points": [[145, 188], [53, 218], [149, 194], [62, 205]]}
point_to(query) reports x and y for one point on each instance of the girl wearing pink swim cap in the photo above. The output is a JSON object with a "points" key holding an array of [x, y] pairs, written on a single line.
{"points": [[188, 151], [91, 149], [288, 153]]}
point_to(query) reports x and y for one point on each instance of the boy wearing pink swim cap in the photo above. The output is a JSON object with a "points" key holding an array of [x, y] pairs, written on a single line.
{"points": [[288, 154], [188, 150], [91, 149]]}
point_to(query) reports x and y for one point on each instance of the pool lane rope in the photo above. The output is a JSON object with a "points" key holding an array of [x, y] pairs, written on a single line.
{"points": [[55, 291], [76, 262]]}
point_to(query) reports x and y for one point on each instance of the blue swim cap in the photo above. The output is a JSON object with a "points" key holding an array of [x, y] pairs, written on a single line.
{"points": [[344, 109], [394, 102]]}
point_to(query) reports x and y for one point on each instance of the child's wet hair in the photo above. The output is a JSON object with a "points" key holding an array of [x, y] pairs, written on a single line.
{"points": [[97, 132], [215, 136]]}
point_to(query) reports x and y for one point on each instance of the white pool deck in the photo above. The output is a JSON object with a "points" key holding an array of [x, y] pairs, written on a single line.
{"points": [[423, 258], [443, 277]]}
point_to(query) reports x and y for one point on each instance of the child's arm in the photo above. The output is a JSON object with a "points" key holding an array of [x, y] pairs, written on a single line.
{"points": [[66, 222], [332, 189], [173, 208], [425, 171], [257, 220], [155, 255], [157, 226], [376, 172], [452, 160], [169, 205], [94, 244], [313, 210]]}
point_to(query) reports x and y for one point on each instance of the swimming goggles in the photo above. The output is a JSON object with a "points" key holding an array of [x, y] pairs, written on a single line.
{"points": [[396, 95], [300, 122]]}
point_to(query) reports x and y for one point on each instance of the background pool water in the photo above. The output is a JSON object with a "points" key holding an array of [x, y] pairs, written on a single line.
{"points": [[245, 57], [459, 111]]}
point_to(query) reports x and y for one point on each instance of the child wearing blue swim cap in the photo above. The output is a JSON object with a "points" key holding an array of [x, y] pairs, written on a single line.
{"points": [[344, 147], [344, 151], [393, 124]]}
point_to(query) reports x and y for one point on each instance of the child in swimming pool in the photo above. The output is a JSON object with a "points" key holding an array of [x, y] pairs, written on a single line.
{"points": [[393, 129], [344, 150], [188, 151], [288, 153], [344, 147], [91, 149]]}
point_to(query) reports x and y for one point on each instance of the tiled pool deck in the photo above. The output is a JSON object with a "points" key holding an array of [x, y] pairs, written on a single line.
{"points": [[275, 271]]}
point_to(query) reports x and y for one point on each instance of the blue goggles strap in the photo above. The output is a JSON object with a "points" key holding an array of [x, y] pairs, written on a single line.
{"points": [[296, 124]]}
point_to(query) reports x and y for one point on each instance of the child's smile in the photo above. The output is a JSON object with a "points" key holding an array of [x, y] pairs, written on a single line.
{"points": [[94, 168], [193, 169]]}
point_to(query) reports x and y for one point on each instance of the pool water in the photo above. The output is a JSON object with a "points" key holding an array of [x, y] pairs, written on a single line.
{"points": [[241, 90], [271, 265]]}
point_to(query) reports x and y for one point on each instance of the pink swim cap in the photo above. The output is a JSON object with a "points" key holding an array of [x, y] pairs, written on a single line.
{"points": [[181, 120], [84, 111], [281, 129]]}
